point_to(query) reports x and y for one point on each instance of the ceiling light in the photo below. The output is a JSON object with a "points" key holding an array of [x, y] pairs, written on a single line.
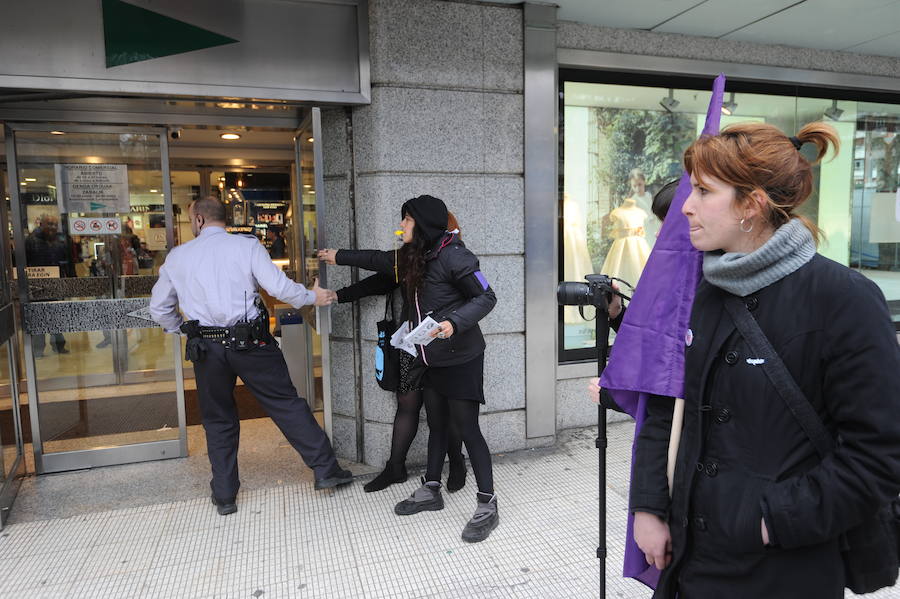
{"points": [[230, 136], [30, 179], [307, 185], [729, 107], [310, 139], [669, 102], [57, 133], [240, 182], [833, 112], [154, 191]]}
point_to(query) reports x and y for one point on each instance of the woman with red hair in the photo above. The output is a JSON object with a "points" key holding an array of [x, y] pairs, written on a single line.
{"points": [[757, 508]]}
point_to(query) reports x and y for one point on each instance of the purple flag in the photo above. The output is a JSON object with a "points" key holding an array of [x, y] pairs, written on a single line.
{"points": [[648, 357]]}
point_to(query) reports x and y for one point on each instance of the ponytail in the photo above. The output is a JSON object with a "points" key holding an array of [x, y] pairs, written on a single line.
{"points": [[820, 135]]}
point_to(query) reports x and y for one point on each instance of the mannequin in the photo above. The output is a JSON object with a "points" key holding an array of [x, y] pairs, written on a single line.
{"points": [[630, 250], [644, 201], [577, 258]]}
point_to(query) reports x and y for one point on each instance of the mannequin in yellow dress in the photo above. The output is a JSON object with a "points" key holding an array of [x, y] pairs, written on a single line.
{"points": [[644, 201], [629, 251], [577, 259]]}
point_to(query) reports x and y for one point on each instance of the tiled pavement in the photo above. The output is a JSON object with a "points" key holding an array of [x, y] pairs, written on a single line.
{"points": [[289, 541]]}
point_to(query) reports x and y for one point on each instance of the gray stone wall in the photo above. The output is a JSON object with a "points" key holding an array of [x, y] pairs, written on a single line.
{"points": [[579, 36], [339, 226], [446, 119]]}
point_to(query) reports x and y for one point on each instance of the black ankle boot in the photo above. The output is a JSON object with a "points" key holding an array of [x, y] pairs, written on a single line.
{"points": [[485, 519], [456, 479], [390, 475]]}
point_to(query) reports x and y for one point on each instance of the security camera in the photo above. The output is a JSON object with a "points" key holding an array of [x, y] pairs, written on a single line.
{"points": [[175, 134]]}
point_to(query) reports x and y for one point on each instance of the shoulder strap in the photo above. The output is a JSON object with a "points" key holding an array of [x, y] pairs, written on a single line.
{"points": [[389, 305], [779, 376]]}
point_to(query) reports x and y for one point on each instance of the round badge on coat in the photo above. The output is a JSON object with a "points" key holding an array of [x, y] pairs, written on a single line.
{"points": [[688, 337]]}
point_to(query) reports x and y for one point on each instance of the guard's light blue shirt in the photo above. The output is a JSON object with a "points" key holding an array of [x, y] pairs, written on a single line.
{"points": [[214, 279]]}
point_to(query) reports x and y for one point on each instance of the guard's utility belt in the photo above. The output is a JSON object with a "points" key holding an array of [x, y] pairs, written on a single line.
{"points": [[241, 336]]}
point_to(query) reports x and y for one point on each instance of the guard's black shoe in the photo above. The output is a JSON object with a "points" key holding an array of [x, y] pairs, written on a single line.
{"points": [[224, 507], [390, 475], [456, 479], [336, 478], [426, 498], [61, 350], [484, 520]]}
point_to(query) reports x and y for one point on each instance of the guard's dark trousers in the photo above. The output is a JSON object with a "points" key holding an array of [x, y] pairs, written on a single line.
{"points": [[265, 373]]}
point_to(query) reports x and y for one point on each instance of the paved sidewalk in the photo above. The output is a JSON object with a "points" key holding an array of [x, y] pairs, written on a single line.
{"points": [[289, 541]]}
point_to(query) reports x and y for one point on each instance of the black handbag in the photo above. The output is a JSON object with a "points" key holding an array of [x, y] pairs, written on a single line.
{"points": [[387, 357], [870, 549]]}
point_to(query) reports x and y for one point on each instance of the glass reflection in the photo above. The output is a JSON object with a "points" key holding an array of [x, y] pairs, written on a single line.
{"points": [[620, 146]]}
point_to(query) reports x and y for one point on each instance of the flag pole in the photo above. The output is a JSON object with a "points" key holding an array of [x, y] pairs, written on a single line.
{"points": [[674, 440]]}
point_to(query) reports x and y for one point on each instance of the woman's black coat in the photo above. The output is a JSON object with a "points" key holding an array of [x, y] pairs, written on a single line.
{"points": [[743, 455], [452, 289]]}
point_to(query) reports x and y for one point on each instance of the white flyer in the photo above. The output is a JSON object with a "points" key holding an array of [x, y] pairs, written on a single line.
{"points": [[421, 335], [398, 339]]}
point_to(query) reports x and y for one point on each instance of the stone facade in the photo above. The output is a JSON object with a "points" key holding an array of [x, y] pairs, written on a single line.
{"points": [[446, 119]]}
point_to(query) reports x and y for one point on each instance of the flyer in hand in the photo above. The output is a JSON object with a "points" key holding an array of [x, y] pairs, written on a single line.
{"points": [[421, 335], [407, 340]]}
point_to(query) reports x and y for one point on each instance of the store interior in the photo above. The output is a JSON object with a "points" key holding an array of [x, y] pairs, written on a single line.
{"points": [[109, 388]]}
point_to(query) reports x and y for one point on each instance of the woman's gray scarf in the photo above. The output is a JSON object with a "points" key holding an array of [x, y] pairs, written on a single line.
{"points": [[788, 249]]}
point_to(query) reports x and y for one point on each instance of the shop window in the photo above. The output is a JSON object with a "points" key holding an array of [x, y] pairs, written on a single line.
{"points": [[619, 144]]}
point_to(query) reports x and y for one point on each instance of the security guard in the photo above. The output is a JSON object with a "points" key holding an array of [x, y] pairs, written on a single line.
{"points": [[213, 279]]}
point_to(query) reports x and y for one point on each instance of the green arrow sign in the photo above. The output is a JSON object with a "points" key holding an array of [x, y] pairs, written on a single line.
{"points": [[133, 34]]}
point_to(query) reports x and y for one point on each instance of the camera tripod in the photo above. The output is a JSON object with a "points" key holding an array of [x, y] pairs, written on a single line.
{"points": [[601, 328], [596, 292]]}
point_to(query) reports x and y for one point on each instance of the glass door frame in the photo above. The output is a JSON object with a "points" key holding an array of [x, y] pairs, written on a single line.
{"points": [[104, 456], [313, 123], [11, 482], [8, 336]]}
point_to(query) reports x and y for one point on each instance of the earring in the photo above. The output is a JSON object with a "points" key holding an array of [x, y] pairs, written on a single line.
{"points": [[741, 225]]}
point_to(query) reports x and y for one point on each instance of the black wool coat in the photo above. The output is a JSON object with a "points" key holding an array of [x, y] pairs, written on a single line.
{"points": [[743, 455], [452, 289]]}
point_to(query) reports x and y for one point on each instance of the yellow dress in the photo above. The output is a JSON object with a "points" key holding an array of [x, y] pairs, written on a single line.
{"points": [[629, 251], [577, 259]]}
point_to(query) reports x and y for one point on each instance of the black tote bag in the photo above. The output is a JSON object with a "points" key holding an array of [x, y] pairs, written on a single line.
{"points": [[387, 357]]}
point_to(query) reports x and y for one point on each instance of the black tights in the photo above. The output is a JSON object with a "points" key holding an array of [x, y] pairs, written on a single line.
{"points": [[445, 414], [406, 425]]}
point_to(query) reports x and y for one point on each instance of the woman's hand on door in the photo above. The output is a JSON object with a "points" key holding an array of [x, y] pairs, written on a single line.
{"points": [[328, 256]]}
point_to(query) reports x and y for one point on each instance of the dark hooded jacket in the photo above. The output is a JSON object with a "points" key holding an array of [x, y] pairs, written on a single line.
{"points": [[743, 456], [452, 289]]}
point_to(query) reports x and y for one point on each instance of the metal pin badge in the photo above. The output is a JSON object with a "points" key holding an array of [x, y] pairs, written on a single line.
{"points": [[688, 337]]}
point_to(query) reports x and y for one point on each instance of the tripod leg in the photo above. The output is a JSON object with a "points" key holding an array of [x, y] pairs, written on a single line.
{"points": [[602, 341]]}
